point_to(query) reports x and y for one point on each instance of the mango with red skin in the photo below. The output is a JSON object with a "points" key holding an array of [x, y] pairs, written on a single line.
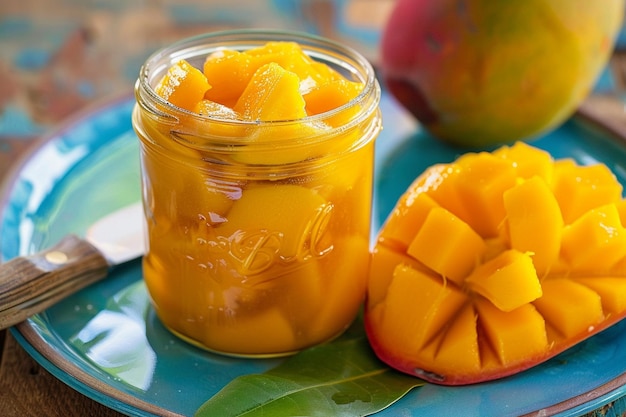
{"points": [[483, 72]]}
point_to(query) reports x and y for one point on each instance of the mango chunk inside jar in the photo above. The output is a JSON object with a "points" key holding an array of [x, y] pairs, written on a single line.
{"points": [[259, 224]]}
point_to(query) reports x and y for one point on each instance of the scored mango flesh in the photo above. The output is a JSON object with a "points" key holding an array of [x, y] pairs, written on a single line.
{"points": [[241, 260], [495, 262]]}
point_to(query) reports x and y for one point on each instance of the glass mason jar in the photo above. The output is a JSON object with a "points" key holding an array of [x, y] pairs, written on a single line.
{"points": [[258, 232]]}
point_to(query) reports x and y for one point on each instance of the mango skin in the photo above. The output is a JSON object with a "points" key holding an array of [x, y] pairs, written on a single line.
{"points": [[478, 72]]}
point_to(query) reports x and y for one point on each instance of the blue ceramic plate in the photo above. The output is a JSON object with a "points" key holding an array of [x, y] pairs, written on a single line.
{"points": [[106, 342]]}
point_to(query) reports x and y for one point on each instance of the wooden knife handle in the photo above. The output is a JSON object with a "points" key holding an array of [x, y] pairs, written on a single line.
{"points": [[30, 284]]}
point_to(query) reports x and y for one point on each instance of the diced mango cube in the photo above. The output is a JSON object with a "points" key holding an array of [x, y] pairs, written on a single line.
{"points": [[484, 178], [414, 325], [459, 347], [534, 221], [611, 289], [509, 280], [571, 308], [447, 245], [595, 241], [438, 181], [384, 261], [515, 335], [537, 247], [406, 219]]}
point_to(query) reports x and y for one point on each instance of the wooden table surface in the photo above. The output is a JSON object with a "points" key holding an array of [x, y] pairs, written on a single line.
{"points": [[55, 59]]}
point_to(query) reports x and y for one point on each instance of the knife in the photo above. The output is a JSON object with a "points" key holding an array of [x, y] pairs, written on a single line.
{"points": [[30, 284]]}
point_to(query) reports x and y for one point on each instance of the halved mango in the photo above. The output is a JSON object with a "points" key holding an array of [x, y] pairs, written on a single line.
{"points": [[492, 227]]}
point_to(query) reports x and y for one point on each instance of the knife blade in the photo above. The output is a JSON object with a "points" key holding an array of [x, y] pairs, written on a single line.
{"points": [[30, 284]]}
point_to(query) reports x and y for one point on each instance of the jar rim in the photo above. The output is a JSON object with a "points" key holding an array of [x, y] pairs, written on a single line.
{"points": [[196, 45]]}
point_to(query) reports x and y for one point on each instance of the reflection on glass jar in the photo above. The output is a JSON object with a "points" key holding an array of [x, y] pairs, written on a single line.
{"points": [[258, 232]]}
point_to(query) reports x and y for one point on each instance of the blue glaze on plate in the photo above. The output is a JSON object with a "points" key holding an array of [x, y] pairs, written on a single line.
{"points": [[106, 342]]}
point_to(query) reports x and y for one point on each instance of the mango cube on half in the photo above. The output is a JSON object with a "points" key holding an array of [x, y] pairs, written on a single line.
{"points": [[509, 280], [531, 207], [447, 245]]}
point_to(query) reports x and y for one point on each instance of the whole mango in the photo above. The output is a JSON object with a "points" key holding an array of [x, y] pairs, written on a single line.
{"points": [[484, 72]]}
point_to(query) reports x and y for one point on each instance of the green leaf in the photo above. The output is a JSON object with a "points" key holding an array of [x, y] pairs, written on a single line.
{"points": [[342, 378]]}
